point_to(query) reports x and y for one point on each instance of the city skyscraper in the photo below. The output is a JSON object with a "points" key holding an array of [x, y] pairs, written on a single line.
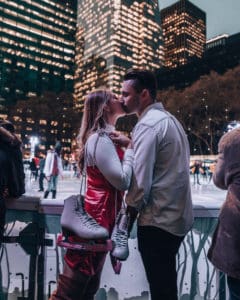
{"points": [[184, 33], [113, 36], [37, 47]]}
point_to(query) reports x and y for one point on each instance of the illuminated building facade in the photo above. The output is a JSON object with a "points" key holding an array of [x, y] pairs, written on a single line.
{"points": [[222, 53], [184, 33], [49, 118], [37, 47], [36, 58], [113, 36], [218, 41]]}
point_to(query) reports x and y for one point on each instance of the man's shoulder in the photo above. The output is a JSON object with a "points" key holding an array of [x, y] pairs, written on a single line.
{"points": [[50, 154], [50, 151], [153, 117]]}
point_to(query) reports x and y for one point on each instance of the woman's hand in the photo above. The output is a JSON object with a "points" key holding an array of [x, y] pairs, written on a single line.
{"points": [[120, 139]]}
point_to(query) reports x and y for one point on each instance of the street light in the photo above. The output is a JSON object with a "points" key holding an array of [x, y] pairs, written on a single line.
{"points": [[33, 142]]}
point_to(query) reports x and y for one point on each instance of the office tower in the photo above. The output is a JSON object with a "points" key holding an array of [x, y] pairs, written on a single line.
{"points": [[113, 36], [218, 41], [37, 47], [184, 33], [36, 58]]}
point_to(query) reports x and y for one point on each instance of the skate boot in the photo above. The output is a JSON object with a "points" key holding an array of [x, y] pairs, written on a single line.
{"points": [[75, 220], [120, 236]]}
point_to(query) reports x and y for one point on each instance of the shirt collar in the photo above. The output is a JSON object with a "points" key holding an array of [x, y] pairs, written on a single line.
{"points": [[156, 105]]}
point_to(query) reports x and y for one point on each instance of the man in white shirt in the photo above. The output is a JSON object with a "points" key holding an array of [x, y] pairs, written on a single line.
{"points": [[160, 188]]}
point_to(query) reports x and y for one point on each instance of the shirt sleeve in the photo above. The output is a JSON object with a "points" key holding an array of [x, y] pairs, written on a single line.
{"points": [[145, 149], [107, 160]]}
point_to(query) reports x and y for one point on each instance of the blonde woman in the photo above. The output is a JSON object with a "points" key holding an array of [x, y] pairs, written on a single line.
{"points": [[109, 171]]}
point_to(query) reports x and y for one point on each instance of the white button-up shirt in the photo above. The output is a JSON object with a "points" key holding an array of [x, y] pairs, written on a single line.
{"points": [[160, 187]]}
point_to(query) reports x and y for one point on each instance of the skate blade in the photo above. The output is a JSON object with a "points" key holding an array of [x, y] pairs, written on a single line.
{"points": [[116, 265], [90, 246]]}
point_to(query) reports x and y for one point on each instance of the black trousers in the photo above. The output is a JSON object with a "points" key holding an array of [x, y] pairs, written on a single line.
{"points": [[234, 288], [158, 249], [41, 178]]}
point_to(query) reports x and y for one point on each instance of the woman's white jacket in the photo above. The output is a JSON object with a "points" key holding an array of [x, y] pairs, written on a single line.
{"points": [[48, 168]]}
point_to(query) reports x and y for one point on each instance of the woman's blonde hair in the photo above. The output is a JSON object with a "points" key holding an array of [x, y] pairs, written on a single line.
{"points": [[92, 118]]}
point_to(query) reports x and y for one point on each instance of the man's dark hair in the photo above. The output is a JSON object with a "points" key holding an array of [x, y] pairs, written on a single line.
{"points": [[143, 79]]}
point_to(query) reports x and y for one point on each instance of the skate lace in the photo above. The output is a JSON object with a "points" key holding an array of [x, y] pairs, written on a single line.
{"points": [[87, 220], [121, 238]]}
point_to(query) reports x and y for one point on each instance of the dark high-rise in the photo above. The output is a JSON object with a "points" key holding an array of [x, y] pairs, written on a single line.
{"points": [[113, 36], [184, 33], [37, 47]]}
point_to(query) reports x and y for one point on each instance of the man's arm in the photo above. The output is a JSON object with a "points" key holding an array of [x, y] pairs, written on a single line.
{"points": [[145, 147]]}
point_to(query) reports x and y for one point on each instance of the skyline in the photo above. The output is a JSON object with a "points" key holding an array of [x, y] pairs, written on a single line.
{"points": [[112, 38], [216, 11]]}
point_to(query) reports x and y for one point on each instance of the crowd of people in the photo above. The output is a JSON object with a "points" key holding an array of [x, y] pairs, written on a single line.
{"points": [[149, 176], [202, 170], [47, 167]]}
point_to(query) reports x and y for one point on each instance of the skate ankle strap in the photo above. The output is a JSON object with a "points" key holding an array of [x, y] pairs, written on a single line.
{"points": [[91, 245]]}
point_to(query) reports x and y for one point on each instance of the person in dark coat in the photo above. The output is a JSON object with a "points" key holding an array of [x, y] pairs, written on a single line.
{"points": [[41, 175], [11, 168], [33, 169], [224, 252]]}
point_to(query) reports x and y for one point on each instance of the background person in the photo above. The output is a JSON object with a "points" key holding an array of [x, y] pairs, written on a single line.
{"points": [[11, 168], [41, 172], [33, 169], [160, 189], [196, 169], [109, 171], [52, 169], [37, 160], [212, 167], [224, 252]]}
